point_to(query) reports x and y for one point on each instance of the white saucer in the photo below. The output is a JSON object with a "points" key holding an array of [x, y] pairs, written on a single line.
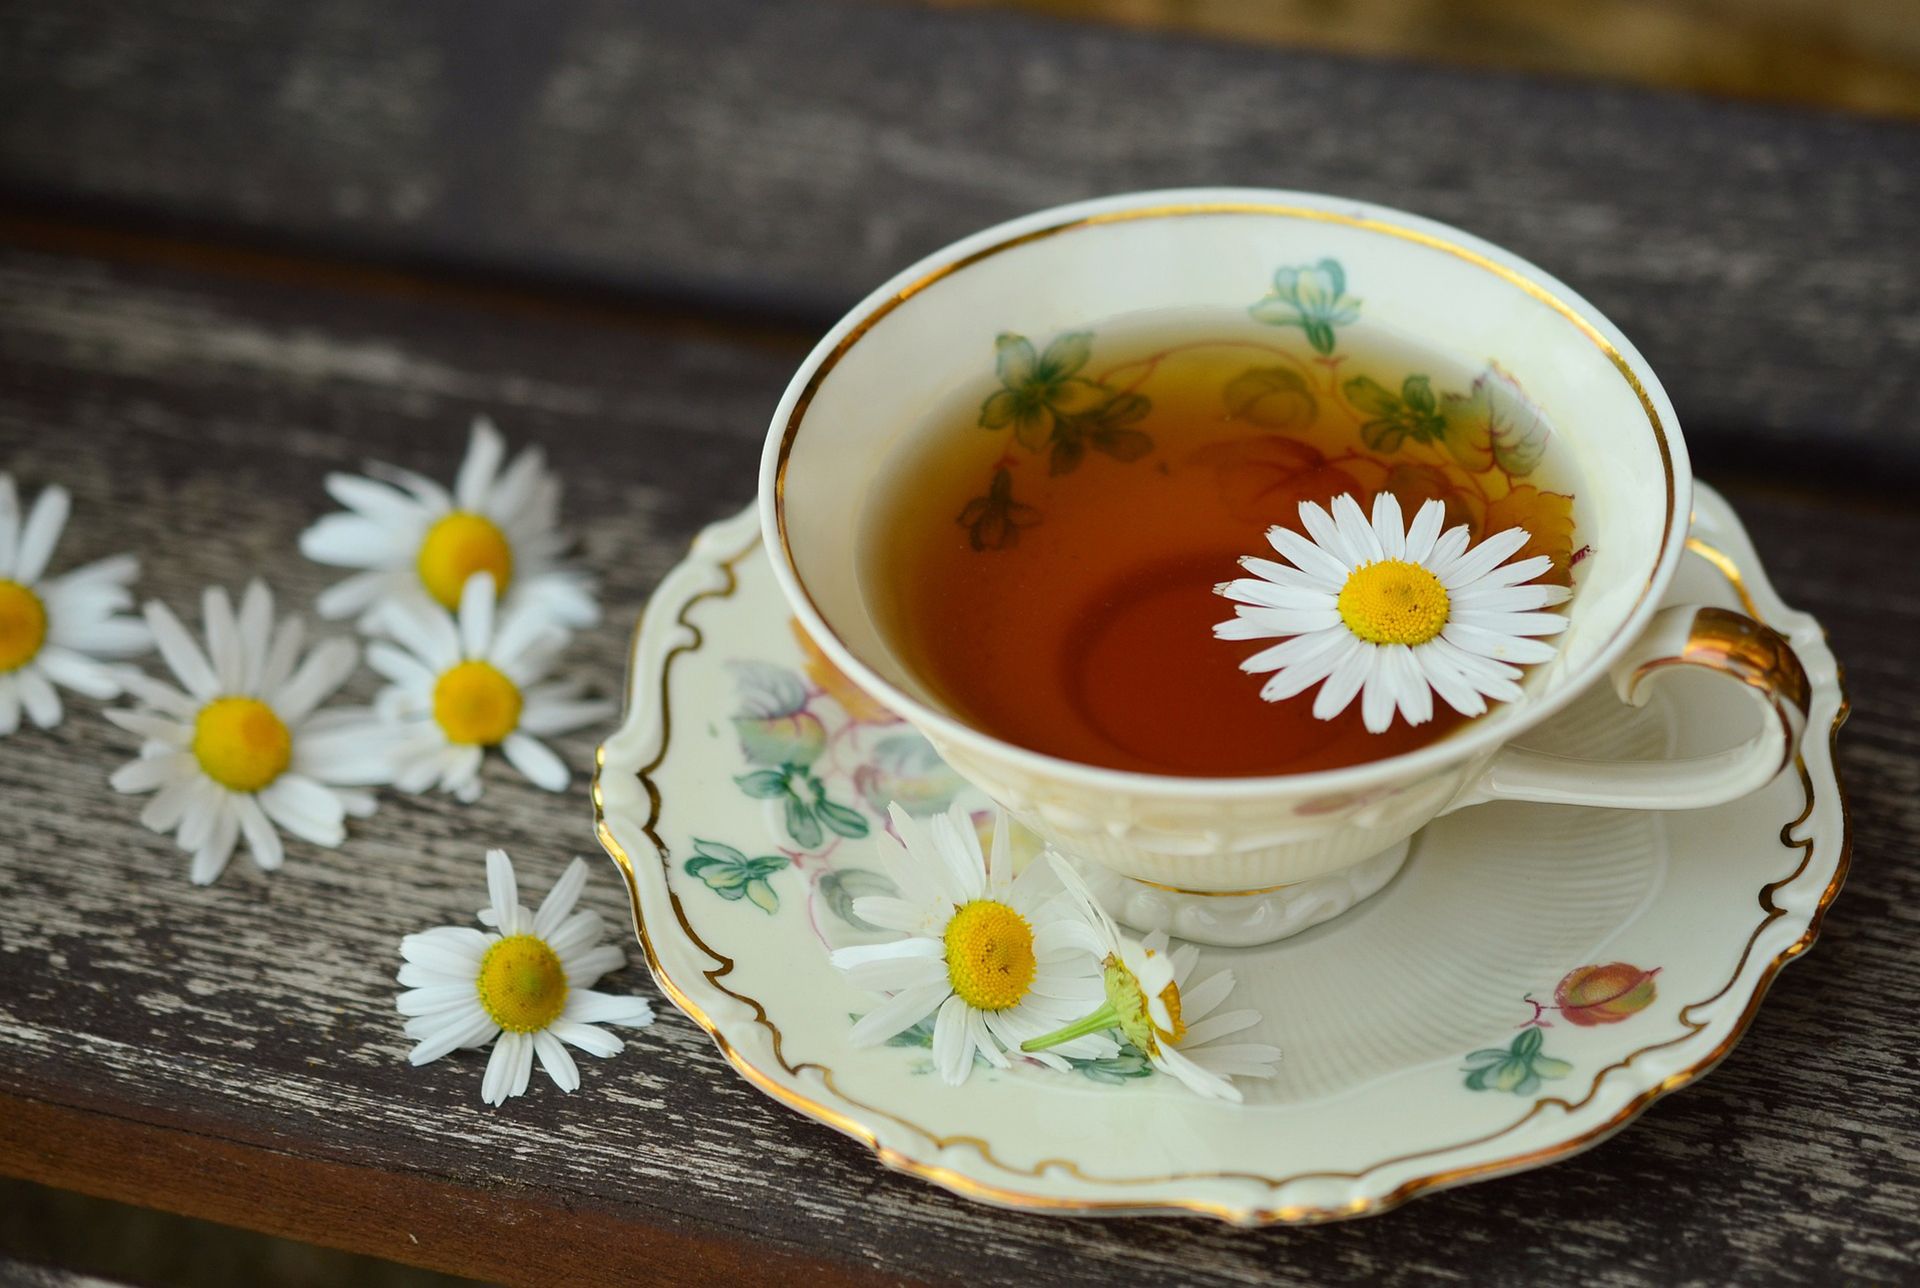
{"points": [[1454, 1026]]}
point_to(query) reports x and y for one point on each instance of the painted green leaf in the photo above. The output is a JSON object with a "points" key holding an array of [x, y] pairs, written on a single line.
{"points": [[1121, 444], [841, 887], [998, 411], [763, 784], [1067, 454], [847, 822], [1014, 359], [802, 826], [1371, 397], [1319, 335], [1383, 435], [768, 691], [796, 739], [733, 876], [1417, 393], [1273, 397], [1548, 1067], [761, 895], [1032, 425]]}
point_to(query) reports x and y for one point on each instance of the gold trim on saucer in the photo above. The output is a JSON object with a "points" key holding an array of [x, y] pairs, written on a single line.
{"points": [[958, 1182], [1214, 894]]}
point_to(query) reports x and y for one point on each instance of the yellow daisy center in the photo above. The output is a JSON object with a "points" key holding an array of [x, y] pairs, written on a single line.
{"points": [[476, 704], [241, 743], [23, 625], [1393, 602], [522, 984], [458, 546], [1129, 1003], [990, 955]]}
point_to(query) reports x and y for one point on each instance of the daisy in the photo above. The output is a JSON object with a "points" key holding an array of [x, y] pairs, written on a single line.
{"points": [[1177, 1026], [55, 630], [995, 959], [419, 543], [526, 983], [243, 748], [461, 686], [1392, 614]]}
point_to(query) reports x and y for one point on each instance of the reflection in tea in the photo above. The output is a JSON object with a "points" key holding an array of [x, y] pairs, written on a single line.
{"points": [[1043, 555]]}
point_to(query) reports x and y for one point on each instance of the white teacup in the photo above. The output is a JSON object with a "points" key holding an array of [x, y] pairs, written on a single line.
{"points": [[1244, 860]]}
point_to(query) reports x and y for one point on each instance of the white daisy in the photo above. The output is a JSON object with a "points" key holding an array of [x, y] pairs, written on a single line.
{"points": [[1178, 1027], [994, 958], [526, 983], [1392, 614], [419, 543], [459, 687], [55, 630], [244, 747]]}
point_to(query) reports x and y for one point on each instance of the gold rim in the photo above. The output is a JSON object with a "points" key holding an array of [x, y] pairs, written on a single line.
{"points": [[790, 432], [1304, 1214]]}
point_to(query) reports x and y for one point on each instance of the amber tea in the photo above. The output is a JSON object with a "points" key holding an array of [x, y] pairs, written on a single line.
{"points": [[1043, 553]]}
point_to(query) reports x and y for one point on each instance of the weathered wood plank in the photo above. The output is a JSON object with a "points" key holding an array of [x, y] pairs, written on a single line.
{"points": [[790, 154], [192, 413]]}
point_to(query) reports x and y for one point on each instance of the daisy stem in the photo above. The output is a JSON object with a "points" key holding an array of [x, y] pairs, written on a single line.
{"points": [[1104, 1018]]}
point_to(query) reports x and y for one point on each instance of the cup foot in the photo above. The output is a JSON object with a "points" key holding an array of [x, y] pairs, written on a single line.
{"points": [[1241, 920]]}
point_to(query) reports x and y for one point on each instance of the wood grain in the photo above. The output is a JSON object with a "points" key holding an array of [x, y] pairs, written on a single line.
{"points": [[233, 1051], [785, 156]]}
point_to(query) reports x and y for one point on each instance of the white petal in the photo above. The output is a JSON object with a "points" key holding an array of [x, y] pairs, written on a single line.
{"points": [[477, 598], [400, 666], [1446, 680], [318, 678], [255, 625], [149, 772], [223, 639], [1483, 596], [1511, 623], [485, 447], [1354, 528], [1202, 1031], [1295, 650], [1307, 557], [1198, 1002], [537, 761], [432, 999], [9, 706], [558, 905], [354, 594], [38, 696], [496, 1085], [595, 1042], [1255, 590], [1198, 1080], [555, 1060], [1289, 621], [210, 860], [81, 674], [180, 652], [1345, 682], [1282, 575], [584, 1006], [1297, 677], [464, 1031], [9, 524], [1504, 648], [563, 717], [897, 1014], [1411, 693], [167, 806], [306, 809], [1483, 558], [41, 533], [1389, 527], [1329, 536], [1447, 549], [262, 840], [503, 890], [952, 1044], [1424, 530]]}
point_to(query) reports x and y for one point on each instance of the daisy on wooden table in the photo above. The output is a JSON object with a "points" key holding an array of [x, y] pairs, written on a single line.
{"points": [[995, 958], [57, 630], [460, 686], [1148, 999], [418, 543], [241, 748], [525, 982], [1393, 613]]}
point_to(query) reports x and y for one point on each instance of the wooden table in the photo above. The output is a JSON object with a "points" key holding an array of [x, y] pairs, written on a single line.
{"points": [[245, 243]]}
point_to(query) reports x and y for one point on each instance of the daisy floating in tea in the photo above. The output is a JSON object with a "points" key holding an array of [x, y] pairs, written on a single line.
{"points": [[1393, 613]]}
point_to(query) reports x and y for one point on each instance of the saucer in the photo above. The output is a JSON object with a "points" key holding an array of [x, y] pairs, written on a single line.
{"points": [[1530, 979]]}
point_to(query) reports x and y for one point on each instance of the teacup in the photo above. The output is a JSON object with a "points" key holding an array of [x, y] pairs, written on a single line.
{"points": [[1246, 860]]}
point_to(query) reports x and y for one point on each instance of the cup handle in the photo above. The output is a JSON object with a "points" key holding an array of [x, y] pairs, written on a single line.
{"points": [[1716, 639]]}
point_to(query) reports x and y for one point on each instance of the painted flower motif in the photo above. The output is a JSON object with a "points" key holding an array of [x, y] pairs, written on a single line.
{"points": [[730, 874], [995, 959], [1591, 995], [244, 749], [1312, 297], [57, 630], [1392, 613], [418, 543], [1038, 391], [459, 686], [526, 982], [1176, 1024], [1518, 1067], [994, 521]]}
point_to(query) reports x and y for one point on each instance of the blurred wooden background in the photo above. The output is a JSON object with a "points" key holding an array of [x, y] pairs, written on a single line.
{"points": [[1858, 55]]}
